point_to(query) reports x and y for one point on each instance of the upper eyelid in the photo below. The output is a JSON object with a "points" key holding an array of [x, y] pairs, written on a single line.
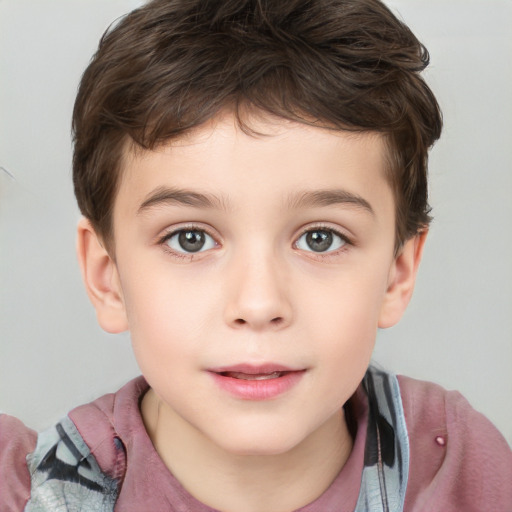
{"points": [[324, 227], [173, 230]]}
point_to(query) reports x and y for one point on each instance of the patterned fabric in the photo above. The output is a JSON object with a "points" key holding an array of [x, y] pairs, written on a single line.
{"points": [[386, 457], [65, 476]]}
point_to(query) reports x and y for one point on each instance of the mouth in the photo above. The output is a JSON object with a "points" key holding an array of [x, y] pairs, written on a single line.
{"points": [[257, 382], [252, 376]]}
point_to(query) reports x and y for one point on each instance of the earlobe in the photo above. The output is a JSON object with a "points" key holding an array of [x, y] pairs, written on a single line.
{"points": [[402, 278], [100, 276]]}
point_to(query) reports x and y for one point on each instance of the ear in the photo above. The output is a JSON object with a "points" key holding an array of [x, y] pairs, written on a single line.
{"points": [[101, 279], [402, 277]]}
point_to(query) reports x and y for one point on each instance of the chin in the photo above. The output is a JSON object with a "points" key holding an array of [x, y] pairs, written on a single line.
{"points": [[259, 443]]}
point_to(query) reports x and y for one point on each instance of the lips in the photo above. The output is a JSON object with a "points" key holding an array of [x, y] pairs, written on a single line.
{"points": [[261, 382]]}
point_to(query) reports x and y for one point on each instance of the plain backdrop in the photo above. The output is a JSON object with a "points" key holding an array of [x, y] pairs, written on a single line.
{"points": [[458, 329]]}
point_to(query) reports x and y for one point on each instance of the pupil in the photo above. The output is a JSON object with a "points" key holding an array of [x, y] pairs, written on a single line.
{"points": [[191, 241], [319, 241]]}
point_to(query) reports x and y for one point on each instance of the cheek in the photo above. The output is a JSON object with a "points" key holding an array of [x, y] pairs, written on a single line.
{"points": [[348, 300], [342, 317], [168, 316]]}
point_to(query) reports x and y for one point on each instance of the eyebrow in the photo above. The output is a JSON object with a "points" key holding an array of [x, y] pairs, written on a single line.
{"points": [[306, 199], [330, 197], [174, 196]]}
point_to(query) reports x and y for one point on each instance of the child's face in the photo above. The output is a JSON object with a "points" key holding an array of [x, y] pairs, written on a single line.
{"points": [[248, 254]]}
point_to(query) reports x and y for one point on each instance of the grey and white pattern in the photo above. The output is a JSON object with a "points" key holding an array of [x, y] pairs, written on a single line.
{"points": [[65, 476], [386, 458]]}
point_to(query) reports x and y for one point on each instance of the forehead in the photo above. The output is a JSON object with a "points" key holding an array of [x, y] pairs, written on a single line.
{"points": [[276, 157]]}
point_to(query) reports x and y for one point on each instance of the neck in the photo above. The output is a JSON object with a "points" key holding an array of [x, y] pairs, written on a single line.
{"points": [[247, 483]]}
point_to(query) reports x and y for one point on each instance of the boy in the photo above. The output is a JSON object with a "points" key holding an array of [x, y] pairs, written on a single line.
{"points": [[253, 182]]}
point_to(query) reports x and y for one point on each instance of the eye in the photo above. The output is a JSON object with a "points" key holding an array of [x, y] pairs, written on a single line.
{"points": [[189, 241], [320, 240]]}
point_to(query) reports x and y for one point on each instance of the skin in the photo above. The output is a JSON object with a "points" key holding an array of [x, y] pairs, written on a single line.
{"points": [[255, 293]]}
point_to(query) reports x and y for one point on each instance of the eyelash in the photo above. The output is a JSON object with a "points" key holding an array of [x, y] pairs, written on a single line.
{"points": [[163, 241], [327, 254]]}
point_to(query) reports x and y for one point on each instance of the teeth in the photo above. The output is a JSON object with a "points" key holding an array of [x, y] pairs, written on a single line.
{"points": [[255, 376]]}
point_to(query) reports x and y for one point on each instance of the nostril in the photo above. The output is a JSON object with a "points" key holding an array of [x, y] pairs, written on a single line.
{"points": [[278, 320]]}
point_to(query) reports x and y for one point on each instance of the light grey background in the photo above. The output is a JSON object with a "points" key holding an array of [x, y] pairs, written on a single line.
{"points": [[458, 330]]}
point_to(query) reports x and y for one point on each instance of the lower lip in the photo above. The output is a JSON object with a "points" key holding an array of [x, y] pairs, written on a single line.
{"points": [[258, 389]]}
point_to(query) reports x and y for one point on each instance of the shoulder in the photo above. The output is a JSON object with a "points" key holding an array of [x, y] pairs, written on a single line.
{"points": [[16, 442], [458, 459], [105, 425], [82, 457]]}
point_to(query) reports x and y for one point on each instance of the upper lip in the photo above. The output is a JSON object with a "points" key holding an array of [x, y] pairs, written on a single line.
{"points": [[255, 369]]}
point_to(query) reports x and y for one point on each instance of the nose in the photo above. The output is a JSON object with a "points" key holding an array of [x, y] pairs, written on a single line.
{"points": [[258, 293]]}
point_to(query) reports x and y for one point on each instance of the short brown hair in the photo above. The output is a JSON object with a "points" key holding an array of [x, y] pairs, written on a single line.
{"points": [[171, 65]]}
